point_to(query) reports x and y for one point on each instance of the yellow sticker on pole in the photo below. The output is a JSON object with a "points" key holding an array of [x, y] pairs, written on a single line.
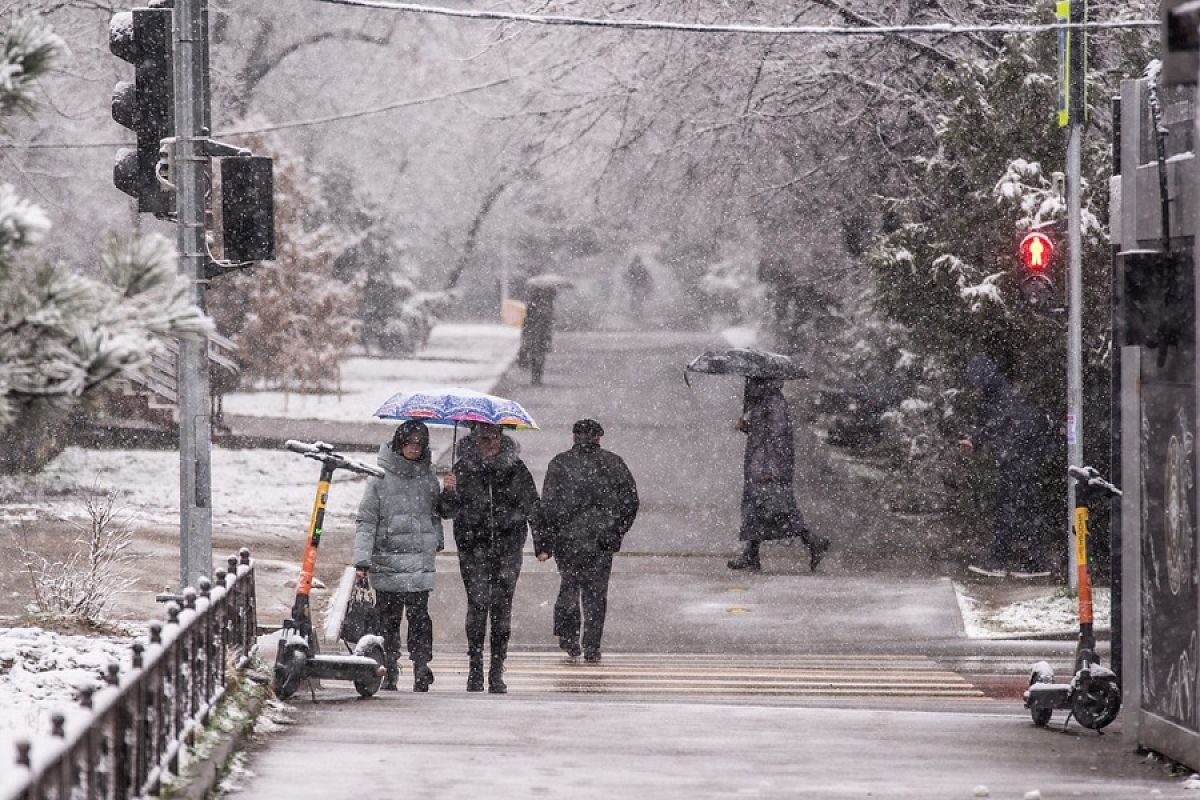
{"points": [[1062, 15]]}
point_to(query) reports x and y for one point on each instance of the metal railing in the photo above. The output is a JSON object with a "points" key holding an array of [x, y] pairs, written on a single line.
{"points": [[137, 726]]}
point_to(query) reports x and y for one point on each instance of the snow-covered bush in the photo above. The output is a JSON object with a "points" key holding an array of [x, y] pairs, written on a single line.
{"points": [[84, 583]]}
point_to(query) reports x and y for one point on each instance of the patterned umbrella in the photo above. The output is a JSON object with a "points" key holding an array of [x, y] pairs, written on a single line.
{"points": [[452, 406]]}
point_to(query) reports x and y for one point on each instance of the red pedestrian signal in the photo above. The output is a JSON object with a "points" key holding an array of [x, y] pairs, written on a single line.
{"points": [[1036, 252]]}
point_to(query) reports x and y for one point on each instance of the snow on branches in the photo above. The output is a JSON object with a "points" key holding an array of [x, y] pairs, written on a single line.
{"points": [[27, 50], [62, 334]]}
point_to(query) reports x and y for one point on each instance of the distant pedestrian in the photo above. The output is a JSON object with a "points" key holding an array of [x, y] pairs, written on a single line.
{"points": [[589, 502], [398, 532], [640, 284], [1017, 435], [537, 332], [493, 503], [769, 509]]}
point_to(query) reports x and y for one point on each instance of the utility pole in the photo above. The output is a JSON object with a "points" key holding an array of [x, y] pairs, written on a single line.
{"points": [[1072, 110], [191, 180]]}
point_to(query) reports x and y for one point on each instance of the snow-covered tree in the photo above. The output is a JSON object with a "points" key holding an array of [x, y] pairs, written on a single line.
{"points": [[293, 320], [946, 267], [63, 334]]}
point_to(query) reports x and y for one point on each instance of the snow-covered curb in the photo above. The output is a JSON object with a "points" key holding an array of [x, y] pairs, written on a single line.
{"points": [[1050, 615]]}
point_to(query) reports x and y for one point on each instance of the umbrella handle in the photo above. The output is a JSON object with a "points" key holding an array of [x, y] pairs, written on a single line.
{"points": [[454, 446]]}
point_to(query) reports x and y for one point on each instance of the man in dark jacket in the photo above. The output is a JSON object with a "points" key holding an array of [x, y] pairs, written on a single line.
{"points": [[1017, 434], [589, 502], [492, 504]]}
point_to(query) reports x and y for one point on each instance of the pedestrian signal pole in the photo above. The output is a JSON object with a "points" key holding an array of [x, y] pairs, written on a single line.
{"points": [[191, 179], [1072, 66]]}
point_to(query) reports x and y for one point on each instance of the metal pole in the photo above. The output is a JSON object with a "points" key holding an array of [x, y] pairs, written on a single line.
{"points": [[1077, 65], [191, 168]]}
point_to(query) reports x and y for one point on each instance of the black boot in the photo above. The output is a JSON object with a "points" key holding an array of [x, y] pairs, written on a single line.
{"points": [[817, 546], [475, 673], [748, 559], [422, 676], [496, 684], [392, 675]]}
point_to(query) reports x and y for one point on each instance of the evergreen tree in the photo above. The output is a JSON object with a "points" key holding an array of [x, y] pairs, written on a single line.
{"points": [[946, 270], [62, 334]]}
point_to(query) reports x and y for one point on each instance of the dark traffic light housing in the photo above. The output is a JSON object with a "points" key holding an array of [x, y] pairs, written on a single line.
{"points": [[1180, 41], [147, 106], [248, 208]]}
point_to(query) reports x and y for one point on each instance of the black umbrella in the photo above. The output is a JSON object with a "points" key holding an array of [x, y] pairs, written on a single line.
{"points": [[746, 362]]}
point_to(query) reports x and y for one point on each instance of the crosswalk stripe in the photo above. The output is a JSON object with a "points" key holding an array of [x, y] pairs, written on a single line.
{"points": [[711, 675]]}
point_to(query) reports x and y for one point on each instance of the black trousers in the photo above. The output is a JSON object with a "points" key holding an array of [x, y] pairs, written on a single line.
{"points": [[392, 607], [582, 598], [489, 576]]}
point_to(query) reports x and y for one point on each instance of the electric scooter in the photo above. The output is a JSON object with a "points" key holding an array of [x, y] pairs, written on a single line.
{"points": [[1093, 696], [299, 657]]}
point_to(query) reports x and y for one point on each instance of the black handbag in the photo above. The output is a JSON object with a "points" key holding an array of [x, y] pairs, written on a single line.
{"points": [[361, 614]]}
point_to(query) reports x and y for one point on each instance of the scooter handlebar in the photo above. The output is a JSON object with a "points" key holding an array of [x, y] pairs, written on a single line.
{"points": [[305, 448], [323, 452], [1091, 477]]}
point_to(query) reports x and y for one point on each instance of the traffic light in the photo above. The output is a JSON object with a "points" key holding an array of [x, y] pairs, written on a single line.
{"points": [[1036, 253], [1180, 39], [248, 208], [147, 106]]}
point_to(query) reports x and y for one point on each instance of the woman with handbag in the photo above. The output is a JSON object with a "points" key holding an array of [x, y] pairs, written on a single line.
{"points": [[399, 531], [769, 509]]}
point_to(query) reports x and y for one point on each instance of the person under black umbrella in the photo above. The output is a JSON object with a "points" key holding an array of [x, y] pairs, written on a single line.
{"points": [[769, 509]]}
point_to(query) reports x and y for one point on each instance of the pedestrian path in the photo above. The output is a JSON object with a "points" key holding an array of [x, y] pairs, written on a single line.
{"points": [[673, 674]]}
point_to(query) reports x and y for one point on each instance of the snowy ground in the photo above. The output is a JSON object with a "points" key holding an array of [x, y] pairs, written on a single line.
{"points": [[1048, 611], [40, 674], [464, 355]]}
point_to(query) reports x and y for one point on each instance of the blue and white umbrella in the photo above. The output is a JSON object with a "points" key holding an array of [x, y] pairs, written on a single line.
{"points": [[453, 405]]}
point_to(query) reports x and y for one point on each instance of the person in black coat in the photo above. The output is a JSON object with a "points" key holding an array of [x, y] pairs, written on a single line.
{"points": [[537, 332], [1017, 434], [589, 502], [493, 503], [769, 509]]}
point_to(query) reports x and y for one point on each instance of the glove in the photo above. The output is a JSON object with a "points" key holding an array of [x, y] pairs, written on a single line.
{"points": [[610, 542]]}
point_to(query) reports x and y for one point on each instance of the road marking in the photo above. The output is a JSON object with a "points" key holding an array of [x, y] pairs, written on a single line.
{"points": [[714, 675]]}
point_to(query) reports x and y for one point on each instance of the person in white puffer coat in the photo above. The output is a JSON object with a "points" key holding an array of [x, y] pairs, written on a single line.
{"points": [[398, 534]]}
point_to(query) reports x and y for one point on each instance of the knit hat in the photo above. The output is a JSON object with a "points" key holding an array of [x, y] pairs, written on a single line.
{"points": [[412, 429], [587, 427]]}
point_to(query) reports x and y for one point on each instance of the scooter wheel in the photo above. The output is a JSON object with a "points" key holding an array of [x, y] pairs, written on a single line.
{"points": [[1041, 716], [367, 688], [289, 672], [1099, 705]]}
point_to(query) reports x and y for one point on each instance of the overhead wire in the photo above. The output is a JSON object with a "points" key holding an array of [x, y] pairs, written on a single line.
{"points": [[938, 29]]}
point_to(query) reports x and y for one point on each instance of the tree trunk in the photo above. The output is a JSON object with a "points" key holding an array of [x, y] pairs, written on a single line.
{"points": [[35, 437]]}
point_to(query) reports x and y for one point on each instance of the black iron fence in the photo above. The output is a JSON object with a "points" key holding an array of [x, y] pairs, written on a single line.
{"points": [[139, 723]]}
